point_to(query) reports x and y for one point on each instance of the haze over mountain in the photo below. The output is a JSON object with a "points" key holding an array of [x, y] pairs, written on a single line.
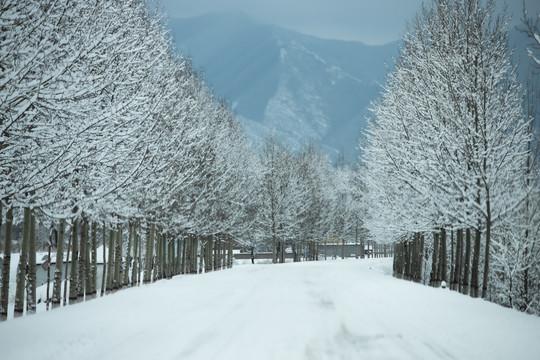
{"points": [[280, 81], [296, 86]]}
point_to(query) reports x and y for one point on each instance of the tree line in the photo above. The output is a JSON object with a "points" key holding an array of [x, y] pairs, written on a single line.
{"points": [[109, 137], [451, 170]]}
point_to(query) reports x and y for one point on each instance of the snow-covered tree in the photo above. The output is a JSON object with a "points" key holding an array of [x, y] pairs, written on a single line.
{"points": [[280, 196], [448, 145]]}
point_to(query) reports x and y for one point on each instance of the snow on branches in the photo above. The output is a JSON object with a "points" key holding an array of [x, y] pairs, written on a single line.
{"points": [[448, 146]]}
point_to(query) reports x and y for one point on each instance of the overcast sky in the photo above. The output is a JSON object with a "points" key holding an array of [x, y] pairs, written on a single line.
{"points": [[369, 21]]}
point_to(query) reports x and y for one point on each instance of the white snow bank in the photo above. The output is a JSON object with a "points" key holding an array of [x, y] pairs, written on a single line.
{"points": [[347, 309]]}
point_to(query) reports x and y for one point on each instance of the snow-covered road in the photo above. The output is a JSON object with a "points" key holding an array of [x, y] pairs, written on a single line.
{"points": [[341, 309]]}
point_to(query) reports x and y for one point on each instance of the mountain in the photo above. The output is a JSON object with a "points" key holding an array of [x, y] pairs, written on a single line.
{"points": [[297, 86], [280, 81]]}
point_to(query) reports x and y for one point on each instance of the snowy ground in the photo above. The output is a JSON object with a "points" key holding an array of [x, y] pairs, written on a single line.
{"points": [[341, 309]]}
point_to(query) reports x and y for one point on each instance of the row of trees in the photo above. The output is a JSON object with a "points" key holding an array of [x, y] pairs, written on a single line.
{"points": [[450, 159], [112, 138], [304, 200], [104, 126]]}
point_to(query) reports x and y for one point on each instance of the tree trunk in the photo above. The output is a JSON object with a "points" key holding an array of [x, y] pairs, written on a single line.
{"points": [[64, 301], [162, 255], [394, 262], [356, 239], [467, 265], [31, 292], [134, 270], [117, 282], [411, 257], [274, 242], [460, 262], [157, 262], [93, 286], [443, 262], [407, 270], [169, 257], [230, 257], [434, 258], [421, 258], [81, 283], [201, 258], [400, 262], [211, 253], [216, 254], [488, 245], [452, 259], [417, 257], [397, 247], [158, 271], [172, 261], [87, 261], [73, 279], [456, 278], [207, 254], [222, 250], [57, 286], [104, 275], [227, 252], [195, 249], [189, 254], [192, 256], [139, 257], [403, 260], [184, 254], [6, 265], [414, 258], [407, 250], [177, 270], [110, 261], [22, 268], [475, 283], [125, 281]]}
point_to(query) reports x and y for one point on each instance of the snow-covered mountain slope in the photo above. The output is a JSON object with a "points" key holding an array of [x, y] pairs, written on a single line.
{"points": [[341, 309], [297, 86]]}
